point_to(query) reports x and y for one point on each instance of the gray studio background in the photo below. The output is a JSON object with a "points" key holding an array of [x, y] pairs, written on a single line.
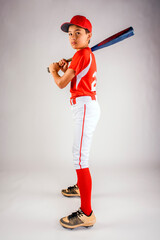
{"points": [[35, 116], [36, 127]]}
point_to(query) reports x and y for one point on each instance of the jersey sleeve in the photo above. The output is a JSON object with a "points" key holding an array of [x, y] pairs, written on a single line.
{"points": [[79, 62]]}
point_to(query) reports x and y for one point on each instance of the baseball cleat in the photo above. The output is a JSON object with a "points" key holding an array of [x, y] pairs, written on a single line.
{"points": [[78, 219], [71, 191]]}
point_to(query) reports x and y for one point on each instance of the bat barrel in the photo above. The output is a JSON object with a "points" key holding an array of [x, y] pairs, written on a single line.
{"points": [[114, 39]]}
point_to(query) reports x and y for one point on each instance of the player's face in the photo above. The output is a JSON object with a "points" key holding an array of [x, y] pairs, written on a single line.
{"points": [[78, 37]]}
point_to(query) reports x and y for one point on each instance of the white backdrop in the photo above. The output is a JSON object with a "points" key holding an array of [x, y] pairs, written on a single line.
{"points": [[35, 116]]}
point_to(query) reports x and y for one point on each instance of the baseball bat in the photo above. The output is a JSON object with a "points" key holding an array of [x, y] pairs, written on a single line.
{"points": [[118, 37]]}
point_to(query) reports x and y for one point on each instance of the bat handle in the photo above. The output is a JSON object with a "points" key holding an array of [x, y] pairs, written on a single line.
{"points": [[68, 60]]}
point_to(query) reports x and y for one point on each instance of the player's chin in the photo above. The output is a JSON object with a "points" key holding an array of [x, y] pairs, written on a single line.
{"points": [[73, 46]]}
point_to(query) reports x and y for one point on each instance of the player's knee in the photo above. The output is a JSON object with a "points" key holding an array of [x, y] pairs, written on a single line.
{"points": [[78, 164]]}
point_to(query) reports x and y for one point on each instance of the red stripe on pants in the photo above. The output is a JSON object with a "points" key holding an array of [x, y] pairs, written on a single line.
{"points": [[82, 135]]}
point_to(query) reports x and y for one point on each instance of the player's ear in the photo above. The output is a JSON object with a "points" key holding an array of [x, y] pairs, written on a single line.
{"points": [[89, 35]]}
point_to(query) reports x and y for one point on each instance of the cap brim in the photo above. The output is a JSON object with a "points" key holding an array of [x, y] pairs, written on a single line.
{"points": [[65, 26]]}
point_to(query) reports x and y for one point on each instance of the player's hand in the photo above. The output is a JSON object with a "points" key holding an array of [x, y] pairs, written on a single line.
{"points": [[54, 67], [63, 65]]}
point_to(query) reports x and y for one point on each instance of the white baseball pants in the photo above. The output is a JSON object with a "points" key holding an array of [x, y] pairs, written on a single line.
{"points": [[86, 113]]}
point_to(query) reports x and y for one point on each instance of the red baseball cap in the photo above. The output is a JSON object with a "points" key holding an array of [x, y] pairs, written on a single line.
{"points": [[77, 20]]}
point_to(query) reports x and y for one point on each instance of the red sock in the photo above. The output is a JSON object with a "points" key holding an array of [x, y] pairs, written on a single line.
{"points": [[85, 187], [77, 181]]}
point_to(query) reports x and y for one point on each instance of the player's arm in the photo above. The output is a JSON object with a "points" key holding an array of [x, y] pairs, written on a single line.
{"points": [[63, 81]]}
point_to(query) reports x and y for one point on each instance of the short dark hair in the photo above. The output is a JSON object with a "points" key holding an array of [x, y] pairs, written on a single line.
{"points": [[87, 31]]}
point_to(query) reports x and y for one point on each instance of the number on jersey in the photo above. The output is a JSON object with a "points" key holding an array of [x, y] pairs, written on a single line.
{"points": [[94, 83]]}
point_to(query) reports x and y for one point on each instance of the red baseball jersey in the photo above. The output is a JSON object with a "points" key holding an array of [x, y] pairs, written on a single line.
{"points": [[84, 82]]}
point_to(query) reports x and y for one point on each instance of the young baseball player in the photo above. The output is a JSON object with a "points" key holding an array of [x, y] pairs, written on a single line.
{"points": [[86, 112]]}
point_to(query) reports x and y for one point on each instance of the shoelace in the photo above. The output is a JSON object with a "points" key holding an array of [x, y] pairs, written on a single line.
{"points": [[72, 187], [75, 214]]}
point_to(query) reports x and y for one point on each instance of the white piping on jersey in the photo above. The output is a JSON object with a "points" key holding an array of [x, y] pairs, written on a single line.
{"points": [[83, 72]]}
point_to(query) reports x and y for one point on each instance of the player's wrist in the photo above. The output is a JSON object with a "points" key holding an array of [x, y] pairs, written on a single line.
{"points": [[54, 72]]}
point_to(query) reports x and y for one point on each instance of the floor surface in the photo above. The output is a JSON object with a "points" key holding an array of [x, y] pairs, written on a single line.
{"points": [[126, 202]]}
